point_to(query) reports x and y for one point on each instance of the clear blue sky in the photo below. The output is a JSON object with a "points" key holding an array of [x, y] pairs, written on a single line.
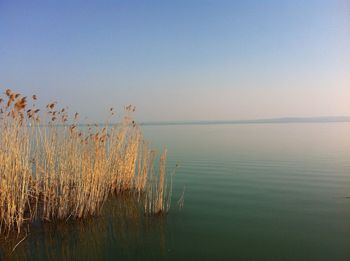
{"points": [[181, 60]]}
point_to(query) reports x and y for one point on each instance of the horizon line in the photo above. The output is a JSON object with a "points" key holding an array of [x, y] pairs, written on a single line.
{"points": [[316, 119], [280, 120]]}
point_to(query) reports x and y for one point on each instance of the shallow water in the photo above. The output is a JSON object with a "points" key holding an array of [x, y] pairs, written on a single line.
{"points": [[252, 192]]}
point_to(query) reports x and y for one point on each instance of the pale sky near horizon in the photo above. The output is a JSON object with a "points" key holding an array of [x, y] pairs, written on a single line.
{"points": [[180, 60]]}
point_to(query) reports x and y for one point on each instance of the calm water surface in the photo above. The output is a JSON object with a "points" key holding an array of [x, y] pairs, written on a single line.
{"points": [[252, 192]]}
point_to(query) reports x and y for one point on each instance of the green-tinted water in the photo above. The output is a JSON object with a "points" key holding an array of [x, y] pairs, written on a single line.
{"points": [[253, 192]]}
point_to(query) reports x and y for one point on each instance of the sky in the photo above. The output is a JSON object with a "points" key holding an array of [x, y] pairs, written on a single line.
{"points": [[180, 60]]}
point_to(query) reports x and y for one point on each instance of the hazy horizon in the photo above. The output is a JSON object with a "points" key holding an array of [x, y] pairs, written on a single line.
{"points": [[183, 60], [338, 118], [280, 120]]}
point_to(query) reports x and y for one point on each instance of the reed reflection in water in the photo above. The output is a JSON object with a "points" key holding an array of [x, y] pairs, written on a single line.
{"points": [[122, 230]]}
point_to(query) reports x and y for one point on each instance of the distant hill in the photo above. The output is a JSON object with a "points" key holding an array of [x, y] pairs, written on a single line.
{"points": [[257, 121]]}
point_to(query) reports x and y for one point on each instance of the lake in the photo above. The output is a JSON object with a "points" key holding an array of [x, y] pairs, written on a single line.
{"points": [[252, 192]]}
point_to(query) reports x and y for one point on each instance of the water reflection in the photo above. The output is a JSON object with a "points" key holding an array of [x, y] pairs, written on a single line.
{"points": [[120, 231]]}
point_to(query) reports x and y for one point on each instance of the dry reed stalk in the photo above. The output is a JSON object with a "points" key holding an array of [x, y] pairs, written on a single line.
{"points": [[158, 196]]}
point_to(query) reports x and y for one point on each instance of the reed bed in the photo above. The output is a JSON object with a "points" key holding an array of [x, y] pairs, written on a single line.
{"points": [[53, 168]]}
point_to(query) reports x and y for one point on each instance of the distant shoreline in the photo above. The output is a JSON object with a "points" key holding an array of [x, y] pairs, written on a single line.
{"points": [[257, 121], [284, 120]]}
